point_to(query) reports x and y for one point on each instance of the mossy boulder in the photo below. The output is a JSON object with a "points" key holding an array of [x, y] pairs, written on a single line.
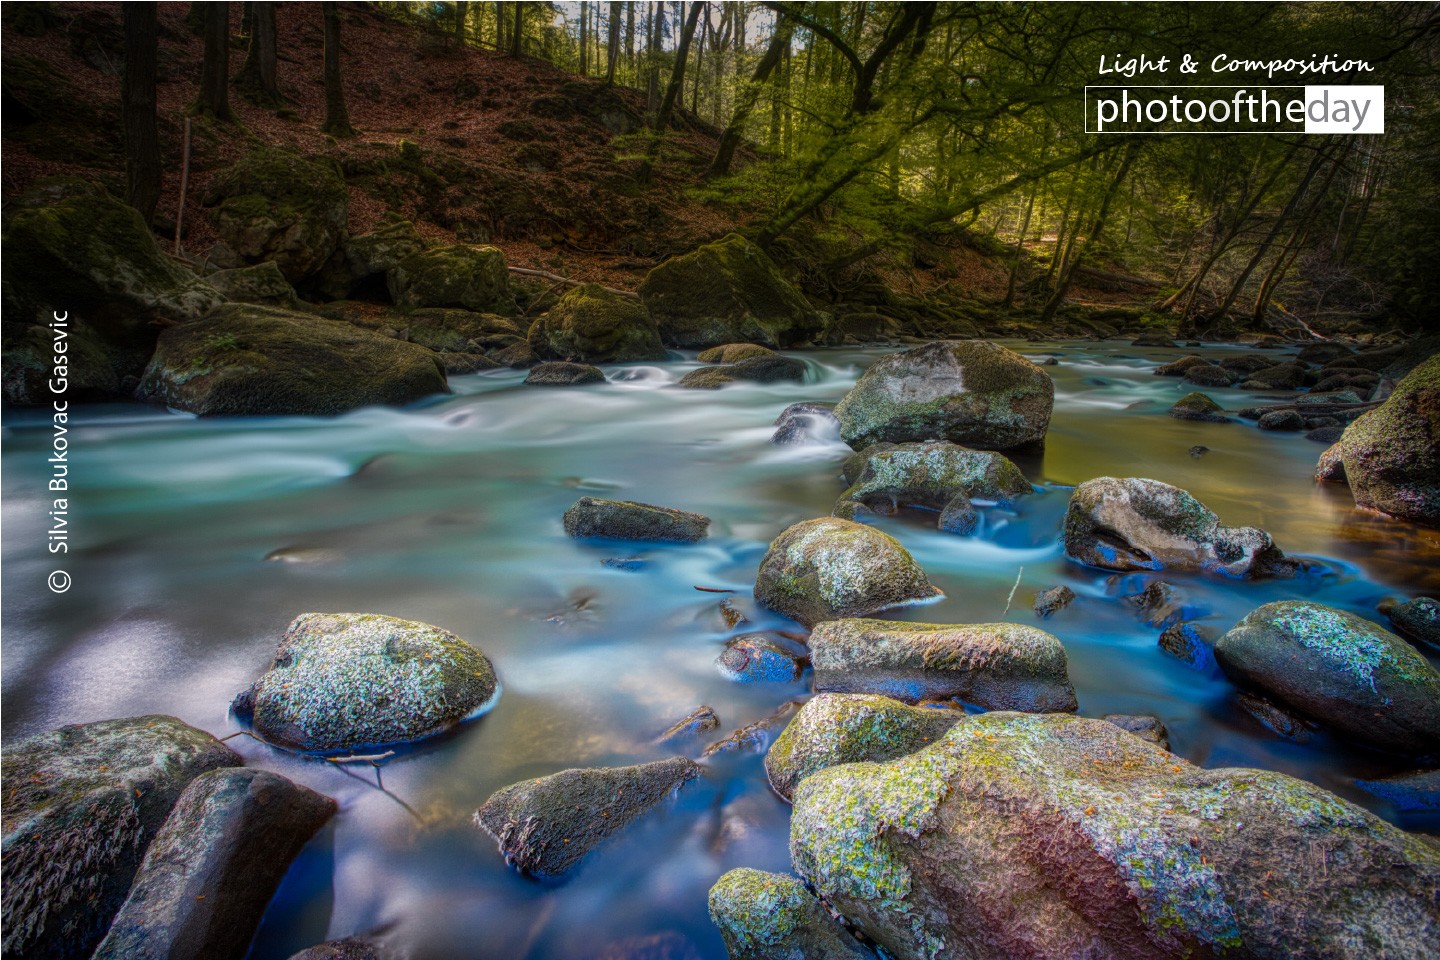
{"points": [[557, 373], [461, 331], [592, 324], [770, 916], [473, 278], [1197, 406], [628, 520], [970, 392], [835, 728], [262, 283], [998, 666], [342, 682], [1285, 421], [1050, 837], [273, 205], [210, 871], [1133, 523], [733, 353], [243, 359], [933, 475], [829, 568], [1392, 453], [1340, 670], [370, 257], [727, 292], [80, 806], [806, 422], [772, 368], [1178, 368], [29, 365], [545, 826], [1418, 619], [1209, 375]]}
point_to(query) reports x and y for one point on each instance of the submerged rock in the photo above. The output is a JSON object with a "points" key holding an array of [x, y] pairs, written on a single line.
{"points": [[998, 666], [1191, 642], [1054, 837], [1052, 601], [1161, 604], [1336, 668], [213, 867], [473, 278], [806, 422], [81, 804], [560, 374], [753, 736], [827, 568], [698, 720], [344, 681], [1279, 721], [1197, 406], [1407, 792], [1138, 524], [1392, 453], [1419, 619], [628, 520], [770, 916], [932, 475], [970, 392], [834, 728], [592, 324], [755, 657], [547, 825]]}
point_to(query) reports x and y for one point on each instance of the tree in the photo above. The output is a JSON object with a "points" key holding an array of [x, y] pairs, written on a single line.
{"points": [[214, 98], [672, 91], [257, 74], [730, 139], [137, 104], [518, 34], [461, 10], [337, 119], [613, 42]]}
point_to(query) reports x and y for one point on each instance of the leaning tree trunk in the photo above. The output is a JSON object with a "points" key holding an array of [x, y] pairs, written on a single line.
{"points": [[337, 118], [257, 75], [730, 139], [137, 106], [672, 91], [214, 98], [1052, 306]]}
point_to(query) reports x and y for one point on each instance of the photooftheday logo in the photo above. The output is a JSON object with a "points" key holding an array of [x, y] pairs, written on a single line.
{"points": [[1217, 109]]}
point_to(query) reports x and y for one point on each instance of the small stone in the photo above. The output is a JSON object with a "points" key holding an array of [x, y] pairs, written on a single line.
{"points": [[1160, 605], [1151, 729], [1284, 420], [628, 520], [1328, 434], [1197, 406], [1178, 368], [1198, 451], [1209, 375], [561, 374], [1192, 643], [754, 657], [1052, 601]]}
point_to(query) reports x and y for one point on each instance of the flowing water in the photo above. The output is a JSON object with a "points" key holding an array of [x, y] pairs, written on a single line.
{"points": [[195, 542]]}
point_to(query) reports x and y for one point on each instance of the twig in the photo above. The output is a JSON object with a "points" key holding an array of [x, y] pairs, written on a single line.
{"points": [[1012, 593], [547, 275], [714, 590]]}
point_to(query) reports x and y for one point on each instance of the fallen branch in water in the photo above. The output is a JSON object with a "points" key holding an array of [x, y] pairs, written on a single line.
{"points": [[1008, 599], [547, 275]]}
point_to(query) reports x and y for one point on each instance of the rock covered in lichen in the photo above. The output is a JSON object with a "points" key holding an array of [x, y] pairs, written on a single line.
{"points": [[558, 373], [1338, 669], [806, 422], [971, 392], [261, 283], [80, 805], [998, 666], [770, 916], [546, 826], [1197, 406], [834, 728], [1054, 837], [460, 275], [828, 568], [1418, 619], [596, 325], [345, 681], [937, 475], [628, 520], [1392, 453], [1138, 524]]}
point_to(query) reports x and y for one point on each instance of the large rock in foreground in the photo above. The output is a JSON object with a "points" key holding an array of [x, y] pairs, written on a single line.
{"points": [[472, 278], [244, 359], [546, 826], [1137, 524], [346, 681], [1392, 453], [214, 866], [1023, 837], [628, 520], [828, 568], [770, 916], [591, 324], [1336, 668], [998, 666], [727, 292], [971, 392], [81, 804]]}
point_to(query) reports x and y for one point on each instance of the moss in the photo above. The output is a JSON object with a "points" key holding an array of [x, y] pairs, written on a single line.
{"points": [[758, 909], [1392, 454], [733, 353], [459, 275], [591, 323]]}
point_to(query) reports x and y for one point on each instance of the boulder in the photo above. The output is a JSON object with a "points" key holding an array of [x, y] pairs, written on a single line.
{"points": [[343, 682], [1247, 364], [1197, 406], [29, 364], [350, 948], [244, 359], [1338, 669], [557, 373], [1139, 524], [364, 262], [1392, 453], [1284, 420], [1331, 466], [1323, 352], [829, 568], [1178, 368], [727, 292], [1052, 601], [997, 666], [1055, 837], [210, 871], [592, 324], [1208, 375], [516, 356], [262, 283], [473, 278], [1282, 376], [806, 422], [1407, 792], [628, 520], [766, 369], [1152, 340], [1418, 619], [971, 392], [1149, 729], [458, 364], [733, 353], [930, 475], [754, 657], [835, 728], [770, 916], [80, 806], [283, 207], [461, 331], [546, 826]]}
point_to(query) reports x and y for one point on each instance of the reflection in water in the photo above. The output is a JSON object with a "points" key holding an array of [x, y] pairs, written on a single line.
{"points": [[197, 541]]}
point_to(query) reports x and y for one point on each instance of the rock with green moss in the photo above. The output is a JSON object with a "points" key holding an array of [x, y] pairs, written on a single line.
{"points": [[547, 825], [243, 359], [342, 682], [998, 666], [727, 292], [1340, 670], [1418, 619], [1052, 837], [592, 324], [262, 283], [971, 392], [1392, 453], [1177, 368], [936, 475], [829, 568], [733, 353], [362, 264], [771, 368], [771, 916], [1132, 523], [210, 871], [558, 373], [1197, 406], [462, 331], [835, 728], [283, 207], [628, 520], [80, 806], [1330, 468], [473, 278]]}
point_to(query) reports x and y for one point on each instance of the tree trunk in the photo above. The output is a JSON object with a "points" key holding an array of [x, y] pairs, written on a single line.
{"points": [[337, 119], [1020, 247], [461, 9], [652, 54], [584, 38], [499, 25], [612, 53], [517, 37], [630, 40], [214, 99], [1098, 227], [137, 103], [672, 91], [257, 76]]}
